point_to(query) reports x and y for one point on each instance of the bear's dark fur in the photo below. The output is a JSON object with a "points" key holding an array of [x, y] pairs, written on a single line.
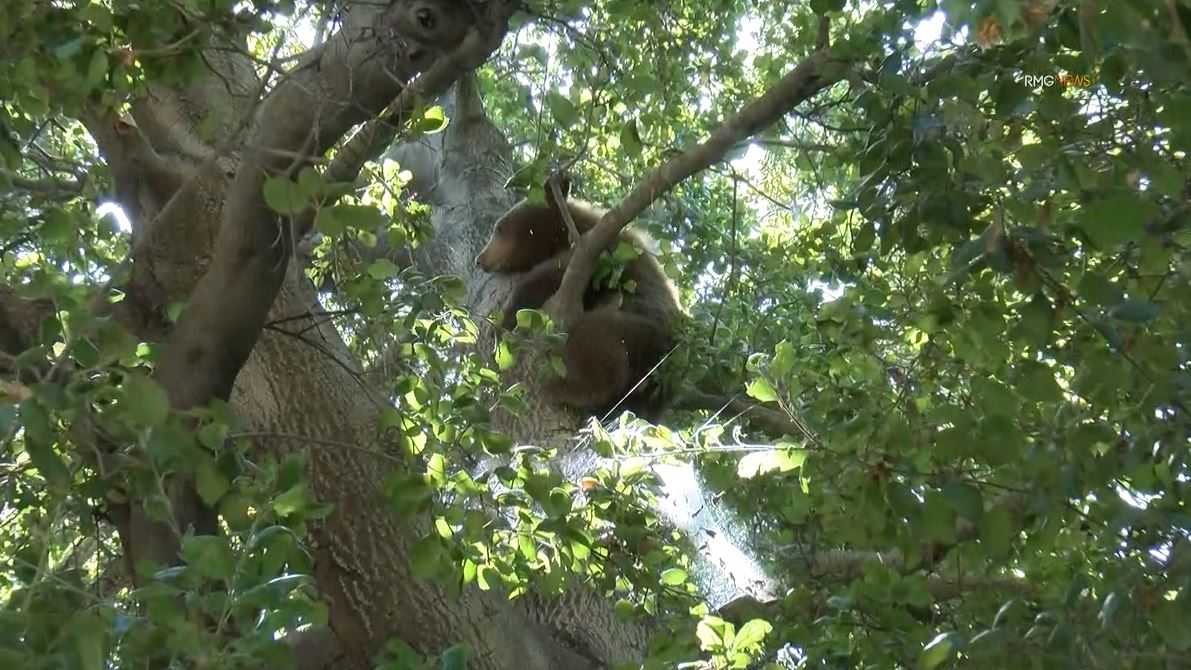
{"points": [[620, 337]]}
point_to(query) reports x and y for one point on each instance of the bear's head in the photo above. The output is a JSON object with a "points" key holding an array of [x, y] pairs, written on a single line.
{"points": [[530, 233]]}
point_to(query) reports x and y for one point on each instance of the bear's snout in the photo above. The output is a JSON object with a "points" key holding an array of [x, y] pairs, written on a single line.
{"points": [[482, 261]]}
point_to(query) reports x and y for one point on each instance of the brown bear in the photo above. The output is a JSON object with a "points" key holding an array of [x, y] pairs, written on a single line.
{"points": [[620, 337]]}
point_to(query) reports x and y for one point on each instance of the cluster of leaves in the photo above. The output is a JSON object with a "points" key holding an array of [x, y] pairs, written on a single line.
{"points": [[68, 608]]}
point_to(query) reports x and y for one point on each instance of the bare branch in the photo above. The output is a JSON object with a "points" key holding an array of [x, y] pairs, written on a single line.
{"points": [[552, 183], [807, 78]]}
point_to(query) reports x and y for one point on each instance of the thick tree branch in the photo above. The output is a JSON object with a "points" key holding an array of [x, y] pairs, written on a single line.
{"points": [[807, 78]]}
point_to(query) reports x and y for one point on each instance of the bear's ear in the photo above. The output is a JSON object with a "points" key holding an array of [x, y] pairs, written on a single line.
{"points": [[564, 188]]}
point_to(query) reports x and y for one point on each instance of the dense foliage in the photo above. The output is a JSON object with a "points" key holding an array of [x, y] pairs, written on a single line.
{"points": [[960, 275]]}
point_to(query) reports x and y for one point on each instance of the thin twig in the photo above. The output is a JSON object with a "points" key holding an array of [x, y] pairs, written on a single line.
{"points": [[561, 202]]}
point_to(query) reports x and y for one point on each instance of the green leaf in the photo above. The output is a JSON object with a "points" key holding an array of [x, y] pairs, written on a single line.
{"points": [[310, 182], [997, 530], [58, 226], [1079, 584], [938, 519], [90, 638], [1173, 625], [752, 633], [454, 658], [145, 401], [630, 139], [39, 443], [783, 360], [561, 108], [841, 603], [233, 507], [966, 500], [1134, 310], [558, 366], [623, 609], [294, 499], [426, 557], [991, 638], [97, 70], [328, 224], [713, 633], [825, 6], [762, 390], [209, 555], [1011, 608], [433, 120], [210, 482], [383, 268], [633, 465], [115, 341], [8, 420], [674, 576], [937, 650], [1037, 320], [504, 356], [360, 217], [1033, 157], [213, 436], [760, 462], [284, 196], [1108, 609], [1117, 219]]}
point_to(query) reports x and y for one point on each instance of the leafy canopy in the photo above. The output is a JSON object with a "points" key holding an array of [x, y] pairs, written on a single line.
{"points": [[961, 276]]}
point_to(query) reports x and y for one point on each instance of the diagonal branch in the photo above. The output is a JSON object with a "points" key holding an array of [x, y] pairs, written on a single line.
{"points": [[806, 79], [376, 135]]}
